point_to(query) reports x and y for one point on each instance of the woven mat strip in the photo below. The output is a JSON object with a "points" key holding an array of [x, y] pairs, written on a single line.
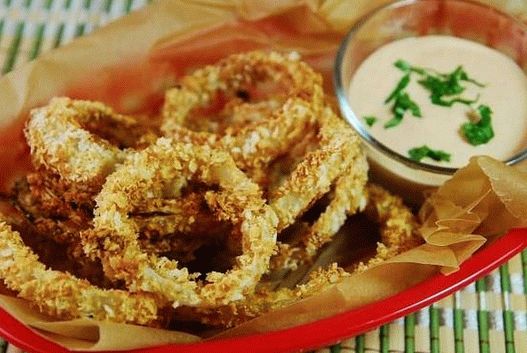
{"points": [[487, 316]]}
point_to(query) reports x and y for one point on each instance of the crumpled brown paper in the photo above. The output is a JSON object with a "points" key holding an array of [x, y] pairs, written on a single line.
{"points": [[129, 64]]}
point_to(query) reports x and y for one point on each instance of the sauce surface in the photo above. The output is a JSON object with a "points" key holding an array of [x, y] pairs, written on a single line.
{"points": [[505, 92]]}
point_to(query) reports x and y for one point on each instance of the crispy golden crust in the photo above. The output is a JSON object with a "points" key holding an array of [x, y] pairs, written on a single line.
{"points": [[265, 299], [182, 215], [61, 295], [61, 219], [254, 146], [80, 141], [234, 74], [347, 198], [164, 229], [398, 225], [114, 237], [313, 177], [254, 133]]}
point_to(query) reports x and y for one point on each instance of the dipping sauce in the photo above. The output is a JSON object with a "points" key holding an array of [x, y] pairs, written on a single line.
{"points": [[494, 81]]}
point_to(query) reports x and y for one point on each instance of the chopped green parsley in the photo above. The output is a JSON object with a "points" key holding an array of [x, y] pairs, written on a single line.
{"points": [[480, 132], [401, 103], [445, 89], [370, 120], [418, 153]]}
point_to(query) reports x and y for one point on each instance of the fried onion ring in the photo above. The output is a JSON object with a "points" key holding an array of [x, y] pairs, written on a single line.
{"points": [[398, 225], [265, 299], [347, 198], [312, 178], [80, 141], [398, 229], [61, 295], [231, 75], [149, 173], [272, 128], [254, 146]]}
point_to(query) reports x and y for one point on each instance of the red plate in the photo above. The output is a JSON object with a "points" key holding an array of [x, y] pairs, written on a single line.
{"points": [[322, 332]]}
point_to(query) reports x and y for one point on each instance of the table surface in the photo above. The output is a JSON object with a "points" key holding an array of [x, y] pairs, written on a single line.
{"points": [[487, 316]]}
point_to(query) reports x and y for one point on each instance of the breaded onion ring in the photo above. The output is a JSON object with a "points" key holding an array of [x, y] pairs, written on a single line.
{"points": [[339, 147], [254, 146], [148, 174], [397, 224], [270, 128], [233, 74], [347, 198], [80, 141], [265, 299], [60, 294], [165, 225], [398, 228]]}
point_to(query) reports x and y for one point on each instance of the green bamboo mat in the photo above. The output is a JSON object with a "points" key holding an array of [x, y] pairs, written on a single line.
{"points": [[487, 316]]}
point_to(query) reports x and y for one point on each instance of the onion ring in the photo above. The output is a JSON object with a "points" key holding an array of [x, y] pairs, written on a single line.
{"points": [[231, 74], [61, 295], [273, 127], [314, 175], [398, 225], [165, 225], [398, 228], [254, 146], [264, 300], [61, 142], [114, 237], [347, 198]]}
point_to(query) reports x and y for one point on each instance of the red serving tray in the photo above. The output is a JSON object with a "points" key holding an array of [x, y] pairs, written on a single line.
{"points": [[322, 332]]}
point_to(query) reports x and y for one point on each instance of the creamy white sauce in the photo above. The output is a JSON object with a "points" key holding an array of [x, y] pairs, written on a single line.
{"points": [[505, 92]]}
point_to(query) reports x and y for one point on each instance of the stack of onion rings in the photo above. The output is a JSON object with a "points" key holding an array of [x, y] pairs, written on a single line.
{"points": [[149, 173], [398, 228], [249, 160]]}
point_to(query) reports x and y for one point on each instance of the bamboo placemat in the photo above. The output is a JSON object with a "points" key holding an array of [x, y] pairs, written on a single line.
{"points": [[487, 316]]}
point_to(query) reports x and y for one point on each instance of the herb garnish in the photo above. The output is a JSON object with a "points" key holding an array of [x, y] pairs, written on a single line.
{"points": [[401, 103], [445, 89], [398, 90], [407, 67], [370, 120], [480, 132], [418, 153], [442, 85]]}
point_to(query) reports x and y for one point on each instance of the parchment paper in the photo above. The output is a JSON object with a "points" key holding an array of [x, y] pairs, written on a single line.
{"points": [[129, 63]]}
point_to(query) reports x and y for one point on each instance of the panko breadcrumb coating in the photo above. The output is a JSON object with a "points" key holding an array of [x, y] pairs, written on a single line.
{"points": [[61, 295], [314, 175], [179, 221], [397, 224], [149, 173], [265, 299], [270, 128], [235, 76], [61, 141]]}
